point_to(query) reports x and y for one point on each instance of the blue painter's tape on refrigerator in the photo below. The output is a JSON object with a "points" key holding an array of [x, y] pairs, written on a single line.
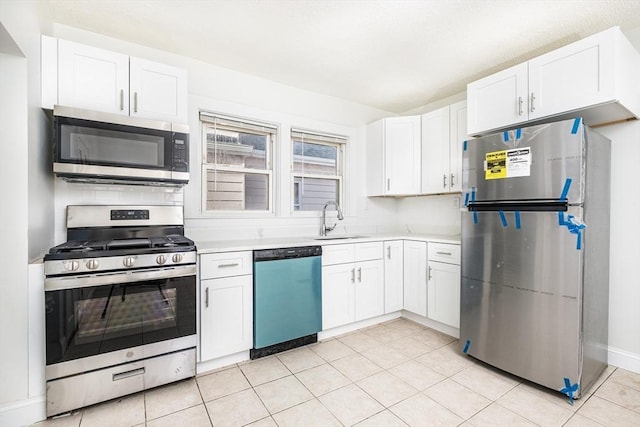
{"points": [[565, 189], [466, 199], [503, 219], [576, 125], [518, 133], [464, 145], [573, 226], [505, 136], [569, 389], [467, 344], [516, 214], [473, 199]]}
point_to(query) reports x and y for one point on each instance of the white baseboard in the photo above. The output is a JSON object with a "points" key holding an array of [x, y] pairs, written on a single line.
{"points": [[624, 359], [221, 362], [23, 412], [345, 329]]}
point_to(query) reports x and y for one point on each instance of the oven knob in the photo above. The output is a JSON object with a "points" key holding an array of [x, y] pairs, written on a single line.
{"points": [[177, 258], [72, 265], [129, 261], [92, 264], [161, 259]]}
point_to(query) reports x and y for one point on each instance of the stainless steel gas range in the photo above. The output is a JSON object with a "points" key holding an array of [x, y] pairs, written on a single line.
{"points": [[120, 299]]}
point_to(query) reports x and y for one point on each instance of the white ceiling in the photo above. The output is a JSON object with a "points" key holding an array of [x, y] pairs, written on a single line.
{"points": [[392, 55]]}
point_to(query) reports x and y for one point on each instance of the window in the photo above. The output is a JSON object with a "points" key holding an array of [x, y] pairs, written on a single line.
{"points": [[317, 169], [237, 166]]}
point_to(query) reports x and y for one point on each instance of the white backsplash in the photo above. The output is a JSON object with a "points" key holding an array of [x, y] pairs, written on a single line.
{"points": [[67, 193]]}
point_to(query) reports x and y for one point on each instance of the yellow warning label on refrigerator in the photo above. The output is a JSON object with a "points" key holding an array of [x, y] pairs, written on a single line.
{"points": [[508, 163], [496, 165]]}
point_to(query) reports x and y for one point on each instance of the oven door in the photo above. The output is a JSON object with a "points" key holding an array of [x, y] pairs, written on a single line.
{"points": [[110, 318], [100, 149]]}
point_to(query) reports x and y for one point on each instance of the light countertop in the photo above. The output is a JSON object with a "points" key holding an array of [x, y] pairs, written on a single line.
{"points": [[214, 246]]}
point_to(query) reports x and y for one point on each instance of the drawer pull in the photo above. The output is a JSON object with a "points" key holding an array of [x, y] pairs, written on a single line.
{"points": [[206, 297], [128, 374], [359, 274], [444, 253], [353, 275], [234, 264]]}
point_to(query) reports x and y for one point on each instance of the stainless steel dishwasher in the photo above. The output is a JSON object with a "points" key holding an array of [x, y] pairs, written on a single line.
{"points": [[287, 298]]}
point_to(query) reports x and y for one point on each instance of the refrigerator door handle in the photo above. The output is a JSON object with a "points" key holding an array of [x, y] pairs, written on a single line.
{"points": [[519, 205]]}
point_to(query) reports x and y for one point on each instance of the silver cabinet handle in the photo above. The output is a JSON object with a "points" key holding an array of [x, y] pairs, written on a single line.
{"points": [[533, 99], [389, 252], [388, 184], [128, 374], [444, 180], [206, 297], [429, 273], [121, 99], [520, 112], [135, 102], [233, 264], [353, 275], [451, 181], [359, 274], [444, 253]]}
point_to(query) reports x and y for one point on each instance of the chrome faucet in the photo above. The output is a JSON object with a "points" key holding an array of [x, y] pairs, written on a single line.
{"points": [[325, 229]]}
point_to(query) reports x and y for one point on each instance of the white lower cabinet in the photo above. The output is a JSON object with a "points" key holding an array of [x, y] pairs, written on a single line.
{"points": [[393, 276], [352, 283], [415, 277], [226, 304], [443, 285]]}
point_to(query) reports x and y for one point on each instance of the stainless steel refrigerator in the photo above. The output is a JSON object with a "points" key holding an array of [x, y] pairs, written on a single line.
{"points": [[535, 253]]}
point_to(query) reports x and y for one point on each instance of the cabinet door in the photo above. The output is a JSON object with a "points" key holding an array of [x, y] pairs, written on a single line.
{"points": [[226, 316], [338, 293], [435, 151], [572, 77], [402, 155], [369, 289], [498, 100], [444, 293], [393, 276], [92, 78], [158, 91], [415, 277], [457, 136]]}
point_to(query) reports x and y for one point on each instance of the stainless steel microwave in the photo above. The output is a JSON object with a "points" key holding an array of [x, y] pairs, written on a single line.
{"points": [[91, 146]]}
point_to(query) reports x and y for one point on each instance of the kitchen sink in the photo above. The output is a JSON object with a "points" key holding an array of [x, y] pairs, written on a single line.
{"points": [[339, 237]]}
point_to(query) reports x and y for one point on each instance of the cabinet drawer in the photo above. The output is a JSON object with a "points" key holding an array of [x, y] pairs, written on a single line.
{"points": [[337, 254], [225, 264], [368, 251], [444, 252]]}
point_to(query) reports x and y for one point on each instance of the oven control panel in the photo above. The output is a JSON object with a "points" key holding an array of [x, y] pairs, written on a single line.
{"points": [[128, 214]]}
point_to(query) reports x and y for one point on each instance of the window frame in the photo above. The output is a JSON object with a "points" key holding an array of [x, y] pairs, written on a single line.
{"points": [[271, 161], [322, 138]]}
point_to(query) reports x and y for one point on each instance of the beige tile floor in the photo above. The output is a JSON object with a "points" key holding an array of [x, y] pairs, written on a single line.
{"points": [[394, 374]]}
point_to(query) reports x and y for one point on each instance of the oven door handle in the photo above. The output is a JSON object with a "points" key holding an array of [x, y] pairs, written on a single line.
{"points": [[116, 278]]}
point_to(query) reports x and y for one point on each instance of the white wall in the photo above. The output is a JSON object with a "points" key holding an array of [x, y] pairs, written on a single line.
{"points": [[27, 214], [624, 289]]}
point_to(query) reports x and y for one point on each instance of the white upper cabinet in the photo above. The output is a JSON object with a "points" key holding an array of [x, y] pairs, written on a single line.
{"points": [[157, 91], [498, 100], [443, 136], [92, 78], [101, 80], [595, 78], [393, 156]]}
